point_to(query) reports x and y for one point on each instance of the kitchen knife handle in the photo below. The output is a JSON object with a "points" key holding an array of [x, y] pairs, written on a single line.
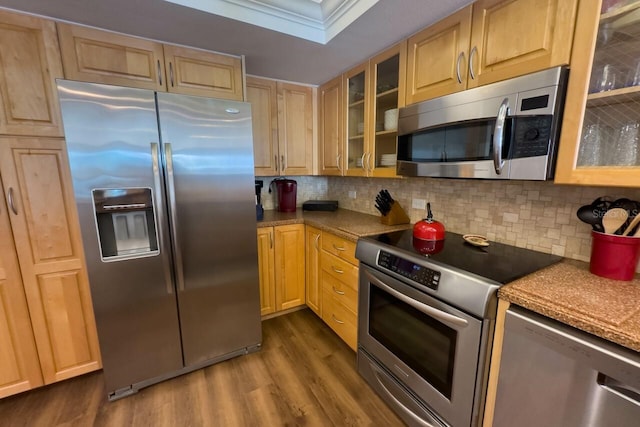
{"points": [[160, 214], [12, 204], [172, 216]]}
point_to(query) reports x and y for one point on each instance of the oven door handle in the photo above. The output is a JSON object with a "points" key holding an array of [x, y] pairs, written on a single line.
{"points": [[377, 373], [426, 309]]}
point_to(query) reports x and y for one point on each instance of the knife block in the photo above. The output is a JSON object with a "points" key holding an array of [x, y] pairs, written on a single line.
{"points": [[395, 216]]}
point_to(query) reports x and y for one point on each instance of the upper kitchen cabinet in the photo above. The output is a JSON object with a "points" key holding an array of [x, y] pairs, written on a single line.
{"points": [[93, 55], [29, 65], [330, 132], [356, 83], [600, 131], [198, 72], [45, 229], [489, 41], [438, 58], [282, 118]]}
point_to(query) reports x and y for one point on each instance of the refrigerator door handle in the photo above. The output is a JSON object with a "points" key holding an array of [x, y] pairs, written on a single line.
{"points": [[166, 262], [172, 214]]}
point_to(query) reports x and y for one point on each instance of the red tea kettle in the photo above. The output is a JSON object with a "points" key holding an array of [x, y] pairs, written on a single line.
{"points": [[428, 229]]}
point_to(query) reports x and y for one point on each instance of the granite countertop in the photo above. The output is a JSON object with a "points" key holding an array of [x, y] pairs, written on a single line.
{"points": [[347, 224], [569, 293]]}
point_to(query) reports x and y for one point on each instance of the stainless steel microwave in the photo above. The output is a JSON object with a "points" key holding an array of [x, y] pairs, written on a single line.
{"points": [[504, 130]]}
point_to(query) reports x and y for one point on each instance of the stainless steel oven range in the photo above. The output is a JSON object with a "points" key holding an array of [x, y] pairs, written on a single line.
{"points": [[426, 323]]}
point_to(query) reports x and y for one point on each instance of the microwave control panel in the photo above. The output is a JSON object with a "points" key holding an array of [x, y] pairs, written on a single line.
{"points": [[531, 136], [418, 273]]}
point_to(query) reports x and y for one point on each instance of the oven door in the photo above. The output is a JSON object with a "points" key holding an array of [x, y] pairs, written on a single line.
{"points": [[427, 345]]}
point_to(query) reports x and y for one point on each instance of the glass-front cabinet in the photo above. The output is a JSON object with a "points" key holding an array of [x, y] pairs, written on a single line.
{"points": [[601, 128], [374, 93]]}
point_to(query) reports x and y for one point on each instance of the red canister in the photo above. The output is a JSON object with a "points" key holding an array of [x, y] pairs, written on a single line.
{"points": [[614, 257]]}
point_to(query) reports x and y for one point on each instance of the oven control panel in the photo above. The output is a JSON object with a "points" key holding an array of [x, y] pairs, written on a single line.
{"points": [[418, 273]]}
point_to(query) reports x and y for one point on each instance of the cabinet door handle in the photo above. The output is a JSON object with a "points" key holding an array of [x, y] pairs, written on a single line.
{"points": [[171, 73], [460, 58], [369, 164], [316, 241], [275, 158], [337, 270], [338, 248], [335, 319], [337, 291], [364, 165], [498, 135], [338, 157], [282, 162], [159, 73], [471, 55], [12, 205], [271, 240]]}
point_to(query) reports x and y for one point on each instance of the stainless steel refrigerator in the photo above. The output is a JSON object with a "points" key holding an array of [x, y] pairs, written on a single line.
{"points": [[164, 187]]}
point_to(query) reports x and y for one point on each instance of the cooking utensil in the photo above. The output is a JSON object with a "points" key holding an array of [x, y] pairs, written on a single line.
{"points": [[428, 228], [590, 215], [614, 219], [631, 226]]}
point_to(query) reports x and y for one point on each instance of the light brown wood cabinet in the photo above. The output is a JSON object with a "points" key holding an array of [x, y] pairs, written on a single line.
{"points": [[331, 125], [284, 245], [354, 139], [489, 41], [29, 64], [19, 364], [597, 114], [339, 283], [98, 56], [282, 118], [313, 252], [44, 224]]}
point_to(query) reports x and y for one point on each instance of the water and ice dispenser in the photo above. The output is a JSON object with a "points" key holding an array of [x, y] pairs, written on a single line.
{"points": [[126, 222]]}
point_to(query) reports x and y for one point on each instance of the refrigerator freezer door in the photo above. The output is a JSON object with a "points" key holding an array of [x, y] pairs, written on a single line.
{"points": [[113, 143], [208, 152]]}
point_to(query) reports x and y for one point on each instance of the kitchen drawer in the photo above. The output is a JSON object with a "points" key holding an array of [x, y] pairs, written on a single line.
{"points": [[340, 269], [344, 293], [340, 319], [339, 247]]}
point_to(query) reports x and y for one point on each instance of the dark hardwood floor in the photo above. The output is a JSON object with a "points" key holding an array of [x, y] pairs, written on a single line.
{"points": [[303, 376]]}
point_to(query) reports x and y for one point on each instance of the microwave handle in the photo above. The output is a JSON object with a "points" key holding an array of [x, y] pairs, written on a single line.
{"points": [[498, 135]]}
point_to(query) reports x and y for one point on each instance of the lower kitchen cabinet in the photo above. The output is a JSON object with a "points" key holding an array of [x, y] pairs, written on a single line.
{"points": [[313, 289], [339, 282], [281, 258], [46, 235]]}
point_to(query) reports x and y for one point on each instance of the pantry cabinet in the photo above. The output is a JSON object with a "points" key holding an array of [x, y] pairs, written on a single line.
{"points": [[331, 125], [19, 364], [29, 65], [313, 287], [98, 56], [600, 131], [46, 235], [282, 119], [281, 258], [489, 41]]}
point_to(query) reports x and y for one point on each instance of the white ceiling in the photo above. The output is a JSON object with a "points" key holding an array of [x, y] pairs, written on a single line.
{"points": [[268, 53]]}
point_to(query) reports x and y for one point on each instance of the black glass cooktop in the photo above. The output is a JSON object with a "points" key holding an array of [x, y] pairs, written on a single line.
{"points": [[498, 262]]}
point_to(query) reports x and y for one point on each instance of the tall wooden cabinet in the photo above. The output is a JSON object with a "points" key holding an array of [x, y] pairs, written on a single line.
{"points": [[44, 224], [282, 118], [93, 55], [331, 125], [19, 363], [601, 126], [29, 64], [281, 258], [489, 41]]}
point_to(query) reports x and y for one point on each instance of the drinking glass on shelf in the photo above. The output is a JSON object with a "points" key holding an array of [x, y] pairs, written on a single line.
{"points": [[633, 78], [591, 145], [606, 78], [626, 147]]}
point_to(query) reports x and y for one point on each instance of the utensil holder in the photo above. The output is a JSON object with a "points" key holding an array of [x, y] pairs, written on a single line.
{"points": [[395, 216], [614, 257]]}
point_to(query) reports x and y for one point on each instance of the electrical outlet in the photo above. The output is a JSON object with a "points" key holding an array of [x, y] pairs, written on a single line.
{"points": [[419, 204], [352, 194]]}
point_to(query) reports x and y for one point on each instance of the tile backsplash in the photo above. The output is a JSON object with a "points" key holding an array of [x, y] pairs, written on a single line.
{"points": [[309, 188], [530, 214]]}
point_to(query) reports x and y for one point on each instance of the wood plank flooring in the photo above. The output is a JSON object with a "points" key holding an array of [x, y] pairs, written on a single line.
{"points": [[303, 376]]}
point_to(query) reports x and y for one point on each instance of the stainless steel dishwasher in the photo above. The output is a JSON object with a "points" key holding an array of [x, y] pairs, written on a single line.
{"points": [[554, 375]]}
